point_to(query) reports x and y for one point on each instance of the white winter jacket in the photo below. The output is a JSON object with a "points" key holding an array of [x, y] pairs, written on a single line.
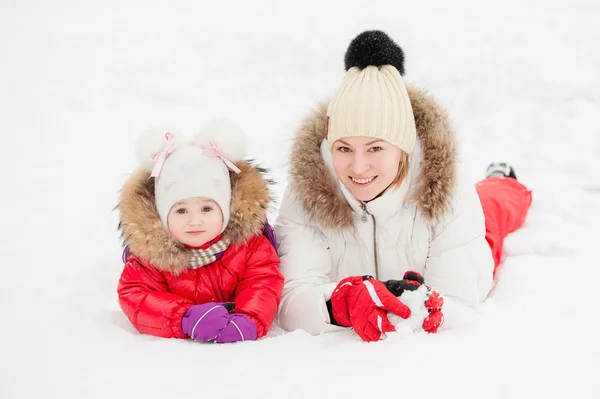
{"points": [[433, 223]]}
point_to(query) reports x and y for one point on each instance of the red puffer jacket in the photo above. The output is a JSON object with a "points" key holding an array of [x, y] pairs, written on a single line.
{"points": [[247, 274], [156, 287]]}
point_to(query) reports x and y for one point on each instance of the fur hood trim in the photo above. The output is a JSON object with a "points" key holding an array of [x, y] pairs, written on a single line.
{"points": [[143, 231]]}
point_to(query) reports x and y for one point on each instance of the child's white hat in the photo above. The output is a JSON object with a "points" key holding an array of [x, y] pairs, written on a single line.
{"points": [[199, 168]]}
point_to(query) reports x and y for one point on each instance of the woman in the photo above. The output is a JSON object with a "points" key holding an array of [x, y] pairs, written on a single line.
{"points": [[375, 189]]}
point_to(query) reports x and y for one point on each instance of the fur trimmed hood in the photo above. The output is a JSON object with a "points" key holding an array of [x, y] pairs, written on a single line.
{"points": [[143, 231], [432, 192]]}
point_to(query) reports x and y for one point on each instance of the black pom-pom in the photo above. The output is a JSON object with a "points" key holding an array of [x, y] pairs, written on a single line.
{"points": [[374, 48]]}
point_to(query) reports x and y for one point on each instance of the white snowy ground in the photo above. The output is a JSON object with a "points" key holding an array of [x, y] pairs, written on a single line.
{"points": [[79, 81]]}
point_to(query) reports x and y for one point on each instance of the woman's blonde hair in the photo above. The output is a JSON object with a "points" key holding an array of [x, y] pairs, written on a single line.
{"points": [[402, 171]]}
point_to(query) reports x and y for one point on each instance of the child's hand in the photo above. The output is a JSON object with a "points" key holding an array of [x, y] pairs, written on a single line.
{"points": [[239, 328], [207, 321]]}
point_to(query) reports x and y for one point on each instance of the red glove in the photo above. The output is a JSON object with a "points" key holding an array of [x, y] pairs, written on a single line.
{"points": [[363, 303], [434, 303]]}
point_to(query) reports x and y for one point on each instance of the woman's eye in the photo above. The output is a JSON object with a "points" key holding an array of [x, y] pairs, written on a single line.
{"points": [[343, 149], [181, 211], [207, 209], [375, 149]]}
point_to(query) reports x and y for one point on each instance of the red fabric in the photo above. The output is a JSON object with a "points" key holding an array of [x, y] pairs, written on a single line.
{"points": [[354, 304], [434, 301], [433, 304], [247, 274], [505, 203], [433, 321]]}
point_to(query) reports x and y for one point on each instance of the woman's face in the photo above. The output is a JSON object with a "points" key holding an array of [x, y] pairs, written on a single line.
{"points": [[365, 165]]}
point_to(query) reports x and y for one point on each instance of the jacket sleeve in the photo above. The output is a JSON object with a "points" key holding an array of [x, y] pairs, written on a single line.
{"points": [[145, 298], [258, 294], [305, 264], [460, 264]]}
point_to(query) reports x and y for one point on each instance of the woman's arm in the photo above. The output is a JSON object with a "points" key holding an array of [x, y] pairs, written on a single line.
{"points": [[460, 263], [305, 264]]}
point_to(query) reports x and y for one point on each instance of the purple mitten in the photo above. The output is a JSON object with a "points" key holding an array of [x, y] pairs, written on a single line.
{"points": [[207, 321], [239, 328]]}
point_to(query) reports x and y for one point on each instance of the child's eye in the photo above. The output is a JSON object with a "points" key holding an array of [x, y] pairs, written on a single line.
{"points": [[343, 149], [375, 149], [207, 209], [181, 211]]}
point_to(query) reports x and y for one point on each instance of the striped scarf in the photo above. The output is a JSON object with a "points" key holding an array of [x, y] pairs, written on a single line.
{"points": [[203, 257]]}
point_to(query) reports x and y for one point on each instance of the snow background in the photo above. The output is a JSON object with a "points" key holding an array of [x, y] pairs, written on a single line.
{"points": [[80, 80]]}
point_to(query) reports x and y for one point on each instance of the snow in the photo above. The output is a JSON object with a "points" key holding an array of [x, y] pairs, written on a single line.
{"points": [[415, 300], [80, 80]]}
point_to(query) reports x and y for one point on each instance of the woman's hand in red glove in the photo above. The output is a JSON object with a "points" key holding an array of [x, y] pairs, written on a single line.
{"points": [[363, 303]]}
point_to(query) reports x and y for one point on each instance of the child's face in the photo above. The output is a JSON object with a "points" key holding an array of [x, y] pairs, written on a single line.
{"points": [[195, 221]]}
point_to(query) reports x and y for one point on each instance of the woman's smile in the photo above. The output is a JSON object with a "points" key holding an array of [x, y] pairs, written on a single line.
{"points": [[362, 181]]}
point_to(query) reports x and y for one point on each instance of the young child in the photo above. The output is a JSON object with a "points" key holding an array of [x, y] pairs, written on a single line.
{"points": [[200, 258]]}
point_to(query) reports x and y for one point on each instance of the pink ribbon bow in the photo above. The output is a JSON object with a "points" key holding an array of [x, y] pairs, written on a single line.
{"points": [[160, 157], [213, 151]]}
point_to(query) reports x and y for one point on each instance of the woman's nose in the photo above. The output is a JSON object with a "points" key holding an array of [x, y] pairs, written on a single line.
{"points": [[359, 165]]}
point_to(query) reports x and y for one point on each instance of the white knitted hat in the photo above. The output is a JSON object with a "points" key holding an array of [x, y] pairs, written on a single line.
{"points": [[197, 169], [372, 100]]}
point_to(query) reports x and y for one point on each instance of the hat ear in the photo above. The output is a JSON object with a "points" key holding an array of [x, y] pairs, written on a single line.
{"points": [[226, 135], [151, 141]]}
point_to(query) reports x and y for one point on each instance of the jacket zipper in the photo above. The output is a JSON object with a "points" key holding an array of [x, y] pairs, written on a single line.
{"points": [[363, 218]]}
